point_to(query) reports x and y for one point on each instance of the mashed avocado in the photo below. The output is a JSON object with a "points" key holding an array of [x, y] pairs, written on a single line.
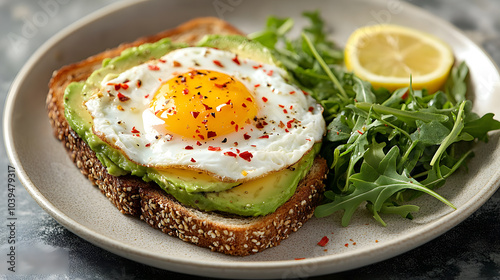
{"points": [[253, 198]]}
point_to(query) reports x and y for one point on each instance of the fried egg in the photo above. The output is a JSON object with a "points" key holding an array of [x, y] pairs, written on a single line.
{"points": [[207, 110]]}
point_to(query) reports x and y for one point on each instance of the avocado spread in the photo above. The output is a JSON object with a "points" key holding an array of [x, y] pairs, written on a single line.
{"points": [[253, 198]]}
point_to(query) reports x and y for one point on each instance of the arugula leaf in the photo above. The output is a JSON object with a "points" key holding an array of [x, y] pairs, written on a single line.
{"points": [[383, 148], [376, 182]]}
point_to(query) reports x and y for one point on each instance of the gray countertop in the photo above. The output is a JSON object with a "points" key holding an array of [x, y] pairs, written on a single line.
{"points": [[471, 250]]}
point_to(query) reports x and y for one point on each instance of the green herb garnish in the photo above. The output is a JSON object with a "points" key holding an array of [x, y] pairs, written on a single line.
{"points": [[383, 148]]}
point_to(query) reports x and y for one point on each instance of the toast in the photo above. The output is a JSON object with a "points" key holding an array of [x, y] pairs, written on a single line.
{"points": [[225, 233]]}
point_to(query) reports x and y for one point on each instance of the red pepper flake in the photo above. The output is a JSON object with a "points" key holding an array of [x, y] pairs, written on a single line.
{"points": [[185, 91], [246, 136], [124, 86], [216, 62], [405, 95], [359, 132], [211, 134], [198, 143], [146, 96], [285, 111], [289, 123], [298, 259], [201, 137], [305, 93], [257, 67], [220, 85], [162, 60], [264, 136], [177, 64], [235, 59], [270, 73], [246, 156], [153, 67], [134, 130], [281, 106], [193, 160], [264, 99], [215, 149], [323, 241], [244, 105], [236, 128], [148, 144], [195, 114], [259, 125], [231, 154], [257, 85], [347, 245], [311, 109], [139, 83], [122, 97], [206, 107], [292, 92], [249, 99], [188, 148]]}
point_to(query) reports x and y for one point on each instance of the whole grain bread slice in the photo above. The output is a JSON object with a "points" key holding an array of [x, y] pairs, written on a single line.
{"points": [[229, 234]]}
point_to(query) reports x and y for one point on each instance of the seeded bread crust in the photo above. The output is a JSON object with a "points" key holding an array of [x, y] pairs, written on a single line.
{"points": [[228, 234]]}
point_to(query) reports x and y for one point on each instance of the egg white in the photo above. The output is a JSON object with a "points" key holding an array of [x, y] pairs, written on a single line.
{"points": [[279, 102]]}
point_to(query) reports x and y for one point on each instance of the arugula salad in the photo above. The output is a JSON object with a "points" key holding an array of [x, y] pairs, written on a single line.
{"points": [[383, 148]]}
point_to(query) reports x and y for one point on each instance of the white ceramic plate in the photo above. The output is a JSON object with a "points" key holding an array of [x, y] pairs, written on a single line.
{"points": [[48, 174]]}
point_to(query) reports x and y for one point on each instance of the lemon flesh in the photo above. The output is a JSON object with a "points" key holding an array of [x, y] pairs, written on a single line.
{"points": [[386, 55]]}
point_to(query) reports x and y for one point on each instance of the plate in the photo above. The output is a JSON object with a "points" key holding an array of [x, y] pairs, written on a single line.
{"points": [[58, 187]]}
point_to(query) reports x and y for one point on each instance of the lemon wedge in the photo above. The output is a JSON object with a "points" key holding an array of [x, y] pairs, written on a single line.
{"points": [[386, 55]]}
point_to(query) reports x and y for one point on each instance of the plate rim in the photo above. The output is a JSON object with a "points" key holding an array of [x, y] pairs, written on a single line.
{"points": [[176, 264]]}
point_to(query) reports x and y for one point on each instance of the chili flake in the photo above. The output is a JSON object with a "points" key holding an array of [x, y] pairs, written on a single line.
{"points": [[323, 241], [122, 97], [134, 130], [216, 62], [153, 67], [215, 149], [231, 154], [235, 59], [211, 134], [188, 148], [195, 114], [246, 156]]}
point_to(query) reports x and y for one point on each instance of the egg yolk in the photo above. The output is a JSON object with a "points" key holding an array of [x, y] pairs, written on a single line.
{"points": [[203, 104]]}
